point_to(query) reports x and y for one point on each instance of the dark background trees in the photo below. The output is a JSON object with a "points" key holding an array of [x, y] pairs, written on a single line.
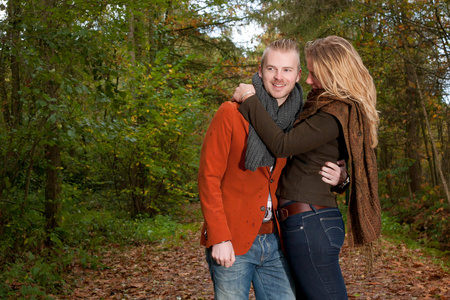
{"points": [[405, 45], [104, 105]]}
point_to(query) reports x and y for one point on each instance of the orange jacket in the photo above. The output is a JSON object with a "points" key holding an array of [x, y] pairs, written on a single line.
{"points": [[233, 199]]}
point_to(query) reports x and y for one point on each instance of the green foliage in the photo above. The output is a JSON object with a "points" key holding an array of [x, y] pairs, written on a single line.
{"points": [[91, 224], [122, 90], [125, 111], [22, 230], [302, 20], [82, 238], [32, 277], [399, 232], [393, 182], [126, 90], [425, 217], [146, 149], [404, 47]]}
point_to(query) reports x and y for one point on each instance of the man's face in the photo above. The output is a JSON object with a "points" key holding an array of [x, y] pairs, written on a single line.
{"points": [[280, 73]]}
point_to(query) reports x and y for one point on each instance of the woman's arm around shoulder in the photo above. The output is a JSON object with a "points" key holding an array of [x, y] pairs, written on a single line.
{"points": [[305, 136]]}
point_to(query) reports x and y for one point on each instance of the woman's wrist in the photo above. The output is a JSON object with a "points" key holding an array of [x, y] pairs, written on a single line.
{"points": [[246, 95]]}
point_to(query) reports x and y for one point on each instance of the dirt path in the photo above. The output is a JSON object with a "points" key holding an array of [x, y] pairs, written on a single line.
{"points": [[156, 272]]}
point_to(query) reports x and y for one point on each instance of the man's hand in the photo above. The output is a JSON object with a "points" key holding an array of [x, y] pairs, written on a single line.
{"points": [[245, 90], [223, 254], [334, 174]]}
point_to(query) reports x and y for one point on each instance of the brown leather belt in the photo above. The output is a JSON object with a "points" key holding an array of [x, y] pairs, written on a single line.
{"points": [[295, 208], [267, 228]]}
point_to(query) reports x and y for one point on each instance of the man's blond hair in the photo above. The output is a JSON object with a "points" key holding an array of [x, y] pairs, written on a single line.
{"points": [[282, 45]]}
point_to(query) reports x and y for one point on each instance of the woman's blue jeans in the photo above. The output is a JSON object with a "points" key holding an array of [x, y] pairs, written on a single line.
{"points": [[312, 242]]}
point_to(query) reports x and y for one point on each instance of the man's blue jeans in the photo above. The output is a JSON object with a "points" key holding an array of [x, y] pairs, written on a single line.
{"points": [[264, 265], [312, 242]]}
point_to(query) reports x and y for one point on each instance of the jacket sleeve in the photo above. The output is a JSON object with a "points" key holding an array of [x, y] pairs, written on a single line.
{"points": [[213, 164], [305, 136]]}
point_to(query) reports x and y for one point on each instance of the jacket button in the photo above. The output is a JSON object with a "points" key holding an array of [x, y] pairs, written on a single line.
{"points": [[271, 180], [263, 208]]}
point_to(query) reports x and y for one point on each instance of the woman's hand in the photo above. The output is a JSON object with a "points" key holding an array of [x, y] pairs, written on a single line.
{"points": [[242, 92], [334, 174]]}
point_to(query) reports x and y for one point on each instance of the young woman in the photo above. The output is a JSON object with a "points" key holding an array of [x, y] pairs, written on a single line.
{"points": [[339, 121]]}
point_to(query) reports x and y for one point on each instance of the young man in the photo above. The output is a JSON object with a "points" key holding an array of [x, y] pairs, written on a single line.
{"points": [[237, 181]]}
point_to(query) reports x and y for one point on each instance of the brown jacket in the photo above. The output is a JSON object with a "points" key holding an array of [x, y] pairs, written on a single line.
{"points": [[308, 145], [332, 127]]}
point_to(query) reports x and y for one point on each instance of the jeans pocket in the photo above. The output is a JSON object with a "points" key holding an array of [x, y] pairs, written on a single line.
{"points": [[292, 224], [334, 230]]}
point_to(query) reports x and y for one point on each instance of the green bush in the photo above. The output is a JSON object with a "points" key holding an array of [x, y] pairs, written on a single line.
{"points": [[91, 229], [32, 276], [424, 217], [82, 237]]}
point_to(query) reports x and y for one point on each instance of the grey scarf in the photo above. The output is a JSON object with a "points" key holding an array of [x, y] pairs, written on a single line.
{"points": [[257, 153]]}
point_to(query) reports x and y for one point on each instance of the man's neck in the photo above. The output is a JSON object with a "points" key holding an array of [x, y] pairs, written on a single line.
{"points": [[281, 101]]}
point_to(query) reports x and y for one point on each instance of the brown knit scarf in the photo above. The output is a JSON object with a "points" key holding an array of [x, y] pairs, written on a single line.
{"points": [[364, 209]]}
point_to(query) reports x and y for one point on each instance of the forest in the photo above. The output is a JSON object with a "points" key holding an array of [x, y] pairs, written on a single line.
{"points": [[104, 106]]}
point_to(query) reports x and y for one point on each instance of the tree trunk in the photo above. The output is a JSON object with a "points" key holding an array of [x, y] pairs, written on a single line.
{"points": [[412, 142], [429, 155], [136, 197], [52, 188], [16, 107], [433, 144], [131, 37], [53, 181], [386, 164], [412, 129]]}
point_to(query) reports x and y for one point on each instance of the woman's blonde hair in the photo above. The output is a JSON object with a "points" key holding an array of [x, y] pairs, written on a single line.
{"points": [[341, 72]]}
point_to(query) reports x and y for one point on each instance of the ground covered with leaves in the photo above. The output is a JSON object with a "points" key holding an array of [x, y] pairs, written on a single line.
{"points": [[178, 271]]}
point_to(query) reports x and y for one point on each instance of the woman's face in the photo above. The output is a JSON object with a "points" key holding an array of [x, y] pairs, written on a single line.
{"points": [[312, 79]]}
